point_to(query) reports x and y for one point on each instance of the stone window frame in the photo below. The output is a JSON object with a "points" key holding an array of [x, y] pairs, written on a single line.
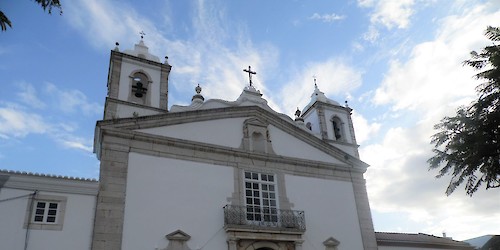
{"points": [[146, 99], [30, 223], [253, 129]]}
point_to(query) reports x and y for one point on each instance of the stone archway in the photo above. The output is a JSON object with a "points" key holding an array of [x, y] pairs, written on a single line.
{"points": [[263, 245]]}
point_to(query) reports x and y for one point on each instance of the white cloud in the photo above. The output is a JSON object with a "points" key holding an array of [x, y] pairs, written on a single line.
{"points": [[17, 122], [364, 130], [71, 101], [28, 96], [371, 35], [399, 182], [334, 77], [434, 76], [327, 18], [429, 85], [75, 142], [389, 13], [204, 58]]}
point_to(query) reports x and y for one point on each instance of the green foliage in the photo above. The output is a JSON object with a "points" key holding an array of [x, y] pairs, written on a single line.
{"points": [[47, 5], [467, 145]]}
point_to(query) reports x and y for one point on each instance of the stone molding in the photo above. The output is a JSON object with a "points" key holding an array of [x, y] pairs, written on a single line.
{"points": [[225, 156]]}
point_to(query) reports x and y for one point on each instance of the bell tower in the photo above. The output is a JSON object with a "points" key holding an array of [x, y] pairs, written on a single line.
{"points": [[137, 83], [331, 122]]}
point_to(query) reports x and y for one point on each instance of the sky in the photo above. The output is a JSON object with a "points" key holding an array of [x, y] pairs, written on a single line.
{"points": [[398, 63]]}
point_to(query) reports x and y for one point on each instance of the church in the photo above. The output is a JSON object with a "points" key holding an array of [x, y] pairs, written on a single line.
{"points": [[214, 174]]}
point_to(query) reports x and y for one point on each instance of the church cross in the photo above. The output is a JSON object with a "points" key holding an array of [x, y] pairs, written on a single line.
{"points": [[250, 73], [315, 81], [142, 34]]}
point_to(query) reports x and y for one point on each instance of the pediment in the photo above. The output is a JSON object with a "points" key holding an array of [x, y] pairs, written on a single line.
{"points": [[331, 242], [178, 235], [224, 128]]}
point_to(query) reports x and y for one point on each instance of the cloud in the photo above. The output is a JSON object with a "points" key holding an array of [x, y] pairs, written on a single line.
{"points": [[28, 96], [398, 182], [434, 76], [212, 41], [422, 89], [389, 13], [71, 101], [364, 130], [17, 122], [334, 77], [327, 18], [371, 35]]}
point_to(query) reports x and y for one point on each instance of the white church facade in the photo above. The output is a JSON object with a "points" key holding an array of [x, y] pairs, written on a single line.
{"points": [[212, 175]]}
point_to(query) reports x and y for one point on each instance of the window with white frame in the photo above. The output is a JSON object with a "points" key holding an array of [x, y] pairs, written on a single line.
{"points": [[46, 212], [260, 197]]}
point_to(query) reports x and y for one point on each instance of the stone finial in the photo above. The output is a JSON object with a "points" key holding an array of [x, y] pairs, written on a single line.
{"points": [[166, 60], [297, 116], [198, 96], [116, 46]]}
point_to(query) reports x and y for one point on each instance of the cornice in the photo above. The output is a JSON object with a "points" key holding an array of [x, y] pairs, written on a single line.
{"points": [[135, 142], [49, 183]]}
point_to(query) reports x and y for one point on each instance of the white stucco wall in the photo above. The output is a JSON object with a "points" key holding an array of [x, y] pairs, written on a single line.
{"points": [[128, 66], [164, 195], [330, 211], [223, 132], [312, 117], [287, 145], [77, 227], [229, 133]]}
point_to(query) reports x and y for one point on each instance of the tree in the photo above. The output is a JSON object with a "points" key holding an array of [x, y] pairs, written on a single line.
{"points": [[467, 145], [45, 4]]}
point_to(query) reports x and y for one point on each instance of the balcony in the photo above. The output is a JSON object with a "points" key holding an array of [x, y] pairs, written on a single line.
{"points": [[256, 218]]}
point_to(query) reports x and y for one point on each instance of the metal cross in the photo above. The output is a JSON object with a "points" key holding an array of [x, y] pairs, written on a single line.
{"points": [[142, 34], [250, 73]]}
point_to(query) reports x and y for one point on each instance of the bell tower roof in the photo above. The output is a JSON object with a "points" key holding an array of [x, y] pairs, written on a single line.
{"points": [[318, 96], [142, 51]]}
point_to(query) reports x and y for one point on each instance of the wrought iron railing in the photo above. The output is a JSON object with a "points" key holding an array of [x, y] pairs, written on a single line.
{"points": [[280, 219]]}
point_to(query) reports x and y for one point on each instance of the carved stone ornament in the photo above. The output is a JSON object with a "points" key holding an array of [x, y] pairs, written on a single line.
{"points": [[177, 240], [331, 243]]}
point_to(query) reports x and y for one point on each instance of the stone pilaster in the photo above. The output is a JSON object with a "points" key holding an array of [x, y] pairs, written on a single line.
{"points": [[364, 213], [165, 72], [110, 208]]}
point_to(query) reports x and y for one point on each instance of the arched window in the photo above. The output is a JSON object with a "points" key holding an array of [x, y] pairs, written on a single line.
{"points": [[139, 88], [338, 129]]}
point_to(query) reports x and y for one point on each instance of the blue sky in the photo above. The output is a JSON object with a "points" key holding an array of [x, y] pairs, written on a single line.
{"points": [[398, 63]]}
